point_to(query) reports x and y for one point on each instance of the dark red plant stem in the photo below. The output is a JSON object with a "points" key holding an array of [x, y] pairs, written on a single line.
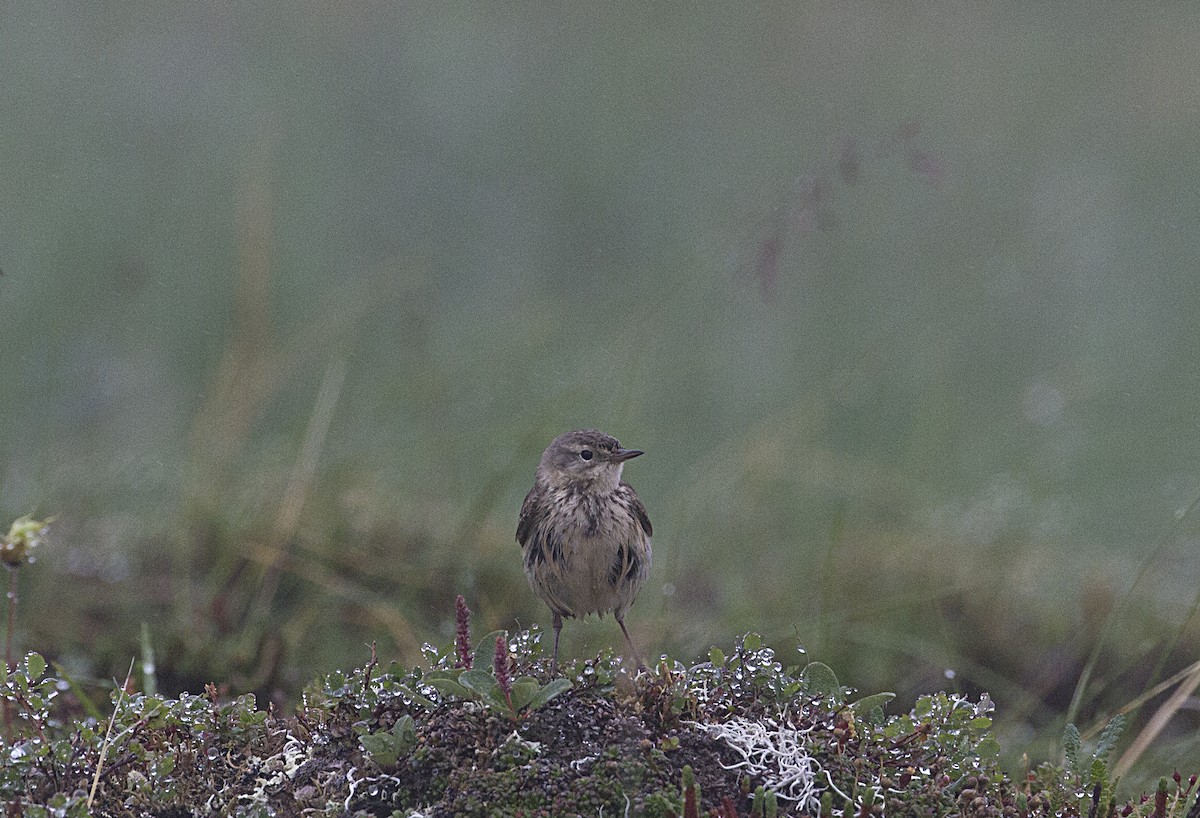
{"points": [[462, 633], [500, 669], [9, 665]]}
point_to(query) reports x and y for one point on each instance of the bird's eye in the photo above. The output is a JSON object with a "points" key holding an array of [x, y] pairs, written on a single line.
{"points": [[586, 454]]}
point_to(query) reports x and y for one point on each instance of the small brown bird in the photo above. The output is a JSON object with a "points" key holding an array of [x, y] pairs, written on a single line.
{"points": [[584, 533]]}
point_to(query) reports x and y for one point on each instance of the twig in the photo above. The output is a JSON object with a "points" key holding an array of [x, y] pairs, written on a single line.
{"points": [[370, 666], [9, 665], [1110, 621], [1158, 721], [108, 735], [1145, 696]]}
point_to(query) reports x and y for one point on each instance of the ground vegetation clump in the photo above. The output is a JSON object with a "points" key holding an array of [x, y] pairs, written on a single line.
{"points": [[484, 728]]}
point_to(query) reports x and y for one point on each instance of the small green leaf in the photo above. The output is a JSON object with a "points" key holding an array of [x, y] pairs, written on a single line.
{"points": [[382, 749], [900, 726], [549, 691], [385, 749], [868, 703], [35, 666], [444, 674], [493, 697], [414, 697], [449, 685], [716, 657], [1109, 737], [820, 680], [752, 641], [988, 748], [523, 691], [1071, 743], [477, 681], [485, 651]]}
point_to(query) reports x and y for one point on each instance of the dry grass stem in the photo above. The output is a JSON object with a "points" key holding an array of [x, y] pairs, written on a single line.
{"points": [[108, 737]]}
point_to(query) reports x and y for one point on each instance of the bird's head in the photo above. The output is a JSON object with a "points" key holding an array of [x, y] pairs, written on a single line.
{"points": [[585, 459]]}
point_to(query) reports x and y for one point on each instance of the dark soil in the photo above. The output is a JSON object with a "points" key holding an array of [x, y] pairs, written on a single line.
{"points": [[584, 753]]}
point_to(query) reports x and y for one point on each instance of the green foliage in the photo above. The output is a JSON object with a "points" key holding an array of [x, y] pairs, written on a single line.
{"points": [[962, 729], [1072, 744], [373, 741], [691, 793], [764, 805], [1090, 770], [870, 708], [50, 766], [820, 680], [29, 695], [482, 686], [1109, 737], [386, 749], [525, 694]]}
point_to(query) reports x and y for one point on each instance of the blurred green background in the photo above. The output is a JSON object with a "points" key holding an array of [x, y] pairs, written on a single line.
{"points": [[899, 299]]}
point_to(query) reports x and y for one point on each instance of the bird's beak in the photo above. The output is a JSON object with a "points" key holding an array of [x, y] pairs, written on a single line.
{"points": [[621, 455]]}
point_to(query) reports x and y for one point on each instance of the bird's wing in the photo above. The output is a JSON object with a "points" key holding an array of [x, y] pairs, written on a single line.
{"points": [[529, 515], [639, 510]]}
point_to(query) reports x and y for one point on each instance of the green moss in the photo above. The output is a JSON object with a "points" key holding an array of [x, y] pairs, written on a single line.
{"points": [[611, 745]]}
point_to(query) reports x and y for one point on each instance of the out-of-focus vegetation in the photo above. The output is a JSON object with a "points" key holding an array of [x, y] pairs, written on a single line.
{"points": [[899, 300]]}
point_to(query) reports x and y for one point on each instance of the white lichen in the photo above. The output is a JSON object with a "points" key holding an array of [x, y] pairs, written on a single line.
{"points": [[773, 752]]}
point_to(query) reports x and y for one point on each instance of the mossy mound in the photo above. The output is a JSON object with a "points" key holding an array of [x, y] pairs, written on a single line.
{"points": [[460, 739]]}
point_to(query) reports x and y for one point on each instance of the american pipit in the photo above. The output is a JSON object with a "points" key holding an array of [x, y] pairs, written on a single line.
{"points": [[584, 533]]}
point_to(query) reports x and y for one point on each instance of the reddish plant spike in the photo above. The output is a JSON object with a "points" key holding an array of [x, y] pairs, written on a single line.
{"points": [[462, 633], [690, 808], [500, 667]]}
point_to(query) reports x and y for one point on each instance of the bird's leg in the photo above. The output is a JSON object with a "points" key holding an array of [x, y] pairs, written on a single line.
{"points": [[557, 633], [637, 656]]}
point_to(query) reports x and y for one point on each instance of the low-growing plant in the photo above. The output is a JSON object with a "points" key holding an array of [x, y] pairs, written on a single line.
{"points": [[495, 687], [1090, 771], [481, 730], [16, 550]]}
